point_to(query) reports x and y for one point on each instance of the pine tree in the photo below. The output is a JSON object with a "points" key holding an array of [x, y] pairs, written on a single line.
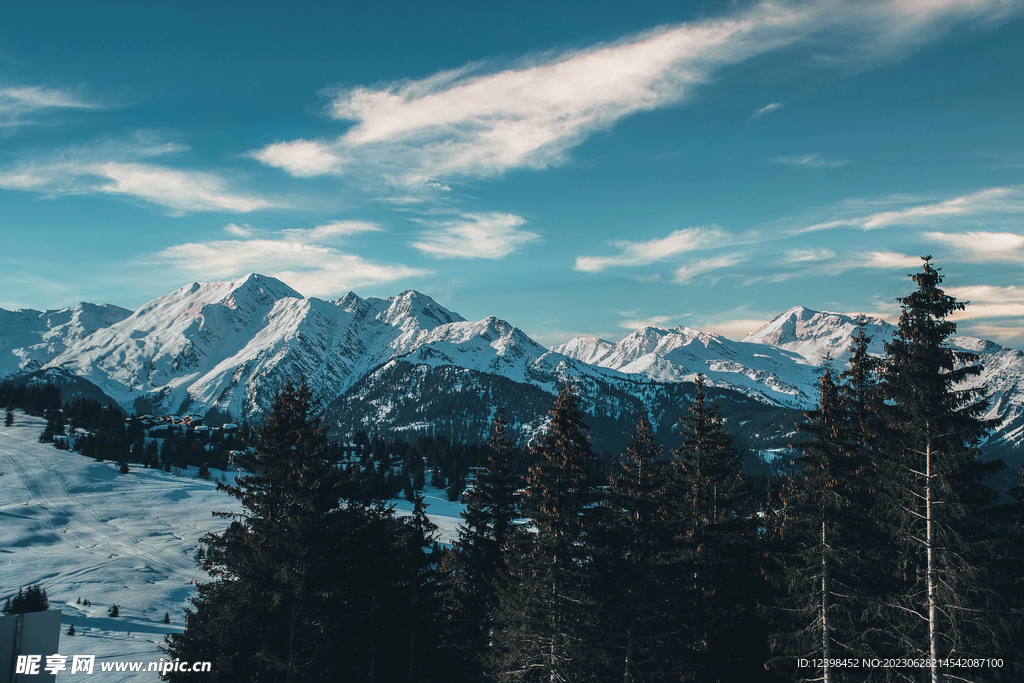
{"points": [[936, 497], [544, 625], [71, 630], [114, 611], [9, 417], [644, 600], [826, 532], [31, 599], [476, 565], [718, 512], [124, 468], [167, 617], [267, 613]]}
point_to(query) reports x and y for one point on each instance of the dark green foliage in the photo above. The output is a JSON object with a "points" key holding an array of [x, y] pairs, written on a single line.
{"points": [[71, 630], [31, 599], [9, 417], [124, 468], [826, 533], [475, 567], [645, 603], [114, 611], [545, 626], [204, 470], [939, 587], [167, 617], [720, 532]]}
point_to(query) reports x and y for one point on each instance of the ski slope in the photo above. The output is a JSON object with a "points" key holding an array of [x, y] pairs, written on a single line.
{"points": [[83, 530]]}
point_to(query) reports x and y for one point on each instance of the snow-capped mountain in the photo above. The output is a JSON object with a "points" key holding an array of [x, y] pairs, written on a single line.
{"points": [[230, 345], [816, 336], [772, 374], [29, 339]]}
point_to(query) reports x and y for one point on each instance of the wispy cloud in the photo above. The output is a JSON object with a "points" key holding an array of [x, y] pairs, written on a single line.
{"points": [[18, 102], [808, 255], [123, 168], [983, 246], [647, 252], [767, 109], [988, 301], [480, 121], [331, 231], [995, 200], [489, 236], [684, 275], [313, 269], [634, 323], [811, 161]]}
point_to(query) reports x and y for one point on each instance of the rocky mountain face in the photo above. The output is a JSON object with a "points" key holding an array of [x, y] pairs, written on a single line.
{"points": [[30, 339], [399, 363]]}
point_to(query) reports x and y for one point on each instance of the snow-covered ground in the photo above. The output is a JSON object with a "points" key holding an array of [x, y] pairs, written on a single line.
{"points": [[83, 530]]}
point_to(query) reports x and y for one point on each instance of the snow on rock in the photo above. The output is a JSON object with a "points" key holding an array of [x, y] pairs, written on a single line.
{"points": [[29, 339]]}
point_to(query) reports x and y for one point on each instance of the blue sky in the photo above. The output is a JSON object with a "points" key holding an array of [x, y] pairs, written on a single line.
{"points": [[576, 168]]}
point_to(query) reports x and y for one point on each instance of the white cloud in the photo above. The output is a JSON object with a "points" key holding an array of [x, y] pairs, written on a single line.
{"points": [[18, 102], [491, 236], [879, 259], [645, 253], [472, 121], [300, 158], [734, 329], [331, 231], [983, 246], [239, 230], [684, 275], [808, 255], [314, 269], [988, 301], [114, 167], [993, 200], [811, 161], [767, 109], [652, 321]]}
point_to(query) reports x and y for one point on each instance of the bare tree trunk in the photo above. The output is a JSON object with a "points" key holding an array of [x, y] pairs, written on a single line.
{"points": [[826, 636], [930, 541], [627, 676]]}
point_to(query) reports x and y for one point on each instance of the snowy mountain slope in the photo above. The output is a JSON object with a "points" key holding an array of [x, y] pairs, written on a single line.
{"points": [[29, 339], [676, 355], [231, 344], [83, 530], [815, 335]]}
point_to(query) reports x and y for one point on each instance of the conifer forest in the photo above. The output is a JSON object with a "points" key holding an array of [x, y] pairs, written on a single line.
{"points": [[881, 550]]}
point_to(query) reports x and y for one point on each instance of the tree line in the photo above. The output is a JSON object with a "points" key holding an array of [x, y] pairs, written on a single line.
{"points": [[883, 542]]}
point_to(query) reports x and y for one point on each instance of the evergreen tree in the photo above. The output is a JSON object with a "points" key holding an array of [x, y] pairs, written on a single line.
{"points": [[643, 597], [935, 496], [9, 417], [826, 533], [124, 468], [544, 625], [167, 617], [720, 534], [267, 613], [31, 599], [71, 630], [114, 611], [476, 566]]}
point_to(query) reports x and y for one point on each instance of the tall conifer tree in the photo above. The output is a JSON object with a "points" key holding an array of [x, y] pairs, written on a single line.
{"points": [[718, 513], [545, 629], [826, 531], [936, 493], [476, 564], [644, 599], [266, 615]]}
